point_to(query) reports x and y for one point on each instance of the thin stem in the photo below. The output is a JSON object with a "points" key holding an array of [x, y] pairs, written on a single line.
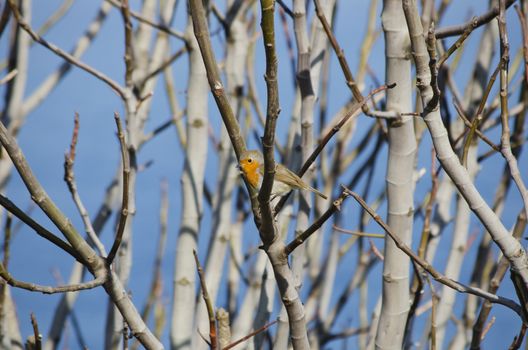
{"points": [[123, 215], [208, 303], [511, 304], [63, 54]]}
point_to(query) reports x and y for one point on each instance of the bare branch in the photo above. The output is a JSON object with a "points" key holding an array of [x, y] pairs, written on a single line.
{"points": [[63, 54], [479, 21], [123, 215], [458, 286], [48, 289]]}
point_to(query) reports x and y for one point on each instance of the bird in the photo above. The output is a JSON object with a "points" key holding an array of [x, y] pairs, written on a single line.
{"points": [[251, 165]]}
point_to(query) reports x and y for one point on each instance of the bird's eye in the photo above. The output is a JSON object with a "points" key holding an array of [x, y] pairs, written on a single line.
{"points": [[250, 160]]}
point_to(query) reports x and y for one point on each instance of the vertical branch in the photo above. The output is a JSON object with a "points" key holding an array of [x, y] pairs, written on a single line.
{"points": [[267, 24], [208, 303], [37, 337], [399, 178], [129, 50], [509, 246], [123, 215], [505, 135]]}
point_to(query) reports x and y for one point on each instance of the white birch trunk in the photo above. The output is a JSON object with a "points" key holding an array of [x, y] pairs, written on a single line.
{"points": [[184, 294], [399, 179], [473, 95], [236, 55], [509, 246]]}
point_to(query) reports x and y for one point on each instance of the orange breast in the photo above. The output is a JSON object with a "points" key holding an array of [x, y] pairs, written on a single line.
{"points": [[251, 173]]}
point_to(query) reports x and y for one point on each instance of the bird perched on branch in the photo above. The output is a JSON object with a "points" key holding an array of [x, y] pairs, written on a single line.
{"points": [[251, 165]]}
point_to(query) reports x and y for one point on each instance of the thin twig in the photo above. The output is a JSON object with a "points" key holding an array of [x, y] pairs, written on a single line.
{"points": [[63, 54], [458, 43], [124, 202], [129, 50], [468, 124], [511, 304], [252, 334], [358, 233], [301, 238], [48, 289], [40, 230], [524, 30], [478, 116], [334, 130], [351, 83], [208, 303], [36, 333], [163, 65], [480, 20], [9, 76], [162, 27], [506, 148], [69, 178]]}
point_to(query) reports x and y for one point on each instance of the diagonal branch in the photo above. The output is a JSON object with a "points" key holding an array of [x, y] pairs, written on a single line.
{"points": [[300, 239], [63, 54], [430, 269]]}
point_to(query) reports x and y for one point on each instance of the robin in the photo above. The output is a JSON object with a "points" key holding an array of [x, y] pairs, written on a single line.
{"points": [[251, 165]]}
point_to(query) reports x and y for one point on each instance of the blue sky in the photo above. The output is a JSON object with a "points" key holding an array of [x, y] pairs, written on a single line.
{"points": [[45, 137]]}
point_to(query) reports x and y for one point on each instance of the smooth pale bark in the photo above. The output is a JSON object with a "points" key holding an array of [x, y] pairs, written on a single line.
{"points": [[399, 178], [473, 95], [304, 81], [67, 302], [236, 57], [509, 246], [136, 115], [184, 292], [243, 323], [12, 339]]}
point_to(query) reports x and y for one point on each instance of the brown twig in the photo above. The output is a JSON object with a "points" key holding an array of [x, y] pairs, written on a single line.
{"points": [[351, 83], [63, 54], [40, 230], [524, 31], [500, 271], [69, 178], [5, 262], [48, 289], [334, 130], [358, 233], [129, 50], [506, 149], [36, 333], [480, 20], [518, 339], [163, 65], [208, 303], [250, 335], [468, 124], [430, 269], [162, 27], [434, 305], [266, 227], [301, 238], [123, 215], [478, 115], [458, 43]]}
